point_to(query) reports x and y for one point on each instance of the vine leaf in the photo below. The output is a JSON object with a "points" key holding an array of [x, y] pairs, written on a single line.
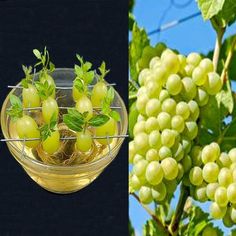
{"points": [[151, 229], [139, 41]]}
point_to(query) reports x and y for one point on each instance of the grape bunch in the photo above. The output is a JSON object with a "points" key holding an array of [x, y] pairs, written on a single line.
{"points": [[37, 115], [172, 92], [214, 179]]}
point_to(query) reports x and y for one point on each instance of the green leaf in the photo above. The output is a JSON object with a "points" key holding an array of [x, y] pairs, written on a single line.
{"points": [[51, 67], [131, 21], [37, 53], [133, 115], [138, 42], [115, 115], [72, 124], [79, 85], [80, 58], [98, 120], [88, 77], [152, 229], [44, 89], [87, 66], [106, 103], [103, 71], [73, 112], [16, 109], [131, 229]]}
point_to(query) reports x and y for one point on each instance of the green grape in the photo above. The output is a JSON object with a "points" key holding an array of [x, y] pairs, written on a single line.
{"points": [[163, 95], [233, 172], [231, 193], [152, 155], [189, 89], [213, 84], [140, 168], [137, 158], [191, 130], [180, 172], [159, 192], [145, 195], [233, 214], [225, 177], [160, 75], [84, 141], [154, 173], [141, 117], [195, 176], [232, 155], [210, 190], [207, 65], [215, 149], [182, 62], [199, 76], [178, 152], [227, 221], [49, 108], [174, 84], [141, 142], [177, 123], [171, 61], [188, 69], [186, 144], [153, 89], [233, 166], [108, 129], [142, 90], [142, 100], [164, 120], [154, 62], [182, 109], [50, 81], [135, 182], [153, 107], [30, 97], [171, 185], [84, 104], [139, 127], [194, 110], [210, 172], [216, 211], [26, 127], [196, 155], [154, 139], [151, 124], [168, 138], [194, 59], [187, 163], [164, 152], [224, 160], [200, 193], [142, 76], [170, 168], [202, 97], [52, 143], [98, 94], [131, 151], [169, 106], [208, 154], [221, 196], [209, 231]]}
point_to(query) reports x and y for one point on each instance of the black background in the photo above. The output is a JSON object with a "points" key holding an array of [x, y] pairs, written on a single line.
{"points": [[97, 30]]}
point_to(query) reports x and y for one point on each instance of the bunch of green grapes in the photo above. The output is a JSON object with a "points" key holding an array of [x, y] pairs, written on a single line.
{"points": [[91, 114], [213, 178], [173, 89]]}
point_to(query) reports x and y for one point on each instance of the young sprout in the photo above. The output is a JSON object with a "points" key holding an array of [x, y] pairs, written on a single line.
{"points": [[49, 104], [84, 76], [77, 122], [26, 127], [100, 89], [50, 135], [47, 67], [30, 95], [109, 128]]}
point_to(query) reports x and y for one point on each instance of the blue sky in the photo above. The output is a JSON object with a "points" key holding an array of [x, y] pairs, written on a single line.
{"points": [[193, 35]]}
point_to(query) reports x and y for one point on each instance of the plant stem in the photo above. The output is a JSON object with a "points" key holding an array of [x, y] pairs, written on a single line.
{"points": [[228, 59], [174, 225], [152, 214], [220, 33]]}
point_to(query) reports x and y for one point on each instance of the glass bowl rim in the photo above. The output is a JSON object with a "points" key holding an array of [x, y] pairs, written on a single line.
{"points": [[104, 159]]}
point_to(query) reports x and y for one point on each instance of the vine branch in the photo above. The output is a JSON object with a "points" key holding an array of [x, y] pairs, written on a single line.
{"points": [[152, 214], [174, 225]]}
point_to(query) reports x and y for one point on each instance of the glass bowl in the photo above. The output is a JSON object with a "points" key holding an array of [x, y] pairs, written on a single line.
{"points": [[58, 178]]}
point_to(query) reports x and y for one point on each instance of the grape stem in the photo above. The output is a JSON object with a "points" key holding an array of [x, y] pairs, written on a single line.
{"points": [[152, 214], [174, 225], [228, 59], [216, 55]]}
